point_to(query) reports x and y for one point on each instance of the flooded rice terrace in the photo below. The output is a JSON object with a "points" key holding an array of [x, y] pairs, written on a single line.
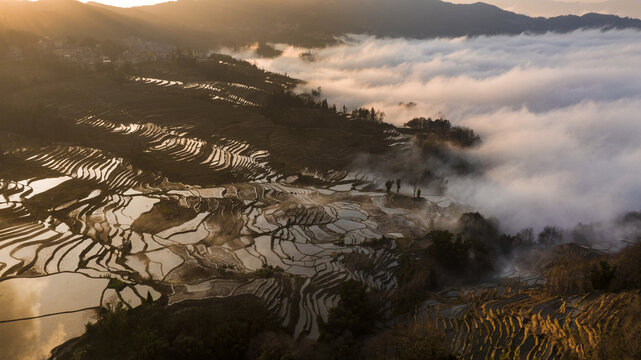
{"points": [[82, 227]]}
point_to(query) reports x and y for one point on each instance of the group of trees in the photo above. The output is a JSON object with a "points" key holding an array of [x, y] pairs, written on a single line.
{"points": [[351, 332], [469, 254], [443, 131], [368, 114], [219, 330], [390, 183], [286, 98], [354, 316], [431, 159], [282, 99], [358, 114], [242, 328], [322, 104], [444, 258], [414, 340], [574, 273]]}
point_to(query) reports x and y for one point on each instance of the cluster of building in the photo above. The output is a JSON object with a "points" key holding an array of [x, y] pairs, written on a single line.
{"points": [[140, 51], [90, 52]]}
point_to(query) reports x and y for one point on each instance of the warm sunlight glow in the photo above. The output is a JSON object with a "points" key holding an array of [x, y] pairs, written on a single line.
{"points": [[548, 8], [127, 3]]}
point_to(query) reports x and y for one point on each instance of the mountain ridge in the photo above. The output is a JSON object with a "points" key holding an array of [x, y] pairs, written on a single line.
{"points": [[211, 23]]}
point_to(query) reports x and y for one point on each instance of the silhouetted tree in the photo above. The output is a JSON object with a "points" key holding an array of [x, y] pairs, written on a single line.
{"points": [[352, 317], [549, 236], [442, 129], [602, 275], [388, 185], [525, 237]]}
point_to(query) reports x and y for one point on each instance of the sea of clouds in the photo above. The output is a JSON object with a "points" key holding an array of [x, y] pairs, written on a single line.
{"points": [[559, 114]]}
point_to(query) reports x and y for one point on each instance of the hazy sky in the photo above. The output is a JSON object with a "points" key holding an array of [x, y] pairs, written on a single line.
{"points": [[558, 113], [127, 3], [631, 8]]}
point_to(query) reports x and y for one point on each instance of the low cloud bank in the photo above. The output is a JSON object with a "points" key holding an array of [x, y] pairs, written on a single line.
{"points": [[559, 114]]}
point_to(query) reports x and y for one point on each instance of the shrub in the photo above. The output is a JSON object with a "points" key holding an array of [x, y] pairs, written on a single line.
{"points": [[411, 341], [415, 278], [214, 330], [354, 316]]}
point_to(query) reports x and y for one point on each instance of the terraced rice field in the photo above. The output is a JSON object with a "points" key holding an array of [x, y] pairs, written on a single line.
{"points": [[499, 322], [159, 191], [200, 188]]}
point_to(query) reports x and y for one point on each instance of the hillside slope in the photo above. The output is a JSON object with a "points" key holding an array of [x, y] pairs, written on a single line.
{"points": [[303, 22]]}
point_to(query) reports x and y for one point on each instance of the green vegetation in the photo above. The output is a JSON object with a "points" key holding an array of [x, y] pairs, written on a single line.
{"points": [[268, 271], [116, 284], [572, 273], [550, 236], [241, 328], [449, 250], [219, 330], [470, 254], [410, 341], [353, 317], [416, 278], [368, 115], [441, 130], [443, 258], [388, 186]]}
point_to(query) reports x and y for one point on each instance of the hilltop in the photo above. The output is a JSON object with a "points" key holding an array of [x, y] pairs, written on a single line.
{"points": [[210, 23]]}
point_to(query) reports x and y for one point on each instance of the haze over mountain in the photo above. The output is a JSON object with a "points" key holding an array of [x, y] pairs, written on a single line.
{"points": [[128, 3], [629, 8], [302, 22]]}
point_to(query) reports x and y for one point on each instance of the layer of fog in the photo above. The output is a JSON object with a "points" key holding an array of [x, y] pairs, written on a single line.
{"points": [[559, 114]]}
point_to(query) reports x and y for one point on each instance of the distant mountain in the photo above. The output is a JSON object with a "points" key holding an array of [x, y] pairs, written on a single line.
{"points": [[204, 23], [70, 18]]}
